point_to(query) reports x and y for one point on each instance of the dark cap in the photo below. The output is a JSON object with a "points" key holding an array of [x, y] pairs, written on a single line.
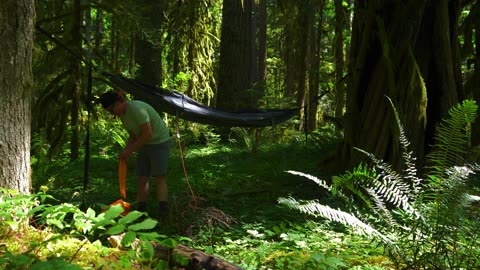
{"points": [[108, 98]]}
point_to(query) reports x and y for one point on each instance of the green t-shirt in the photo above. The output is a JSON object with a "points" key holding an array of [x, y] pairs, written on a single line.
{"points": [[139, 113]]}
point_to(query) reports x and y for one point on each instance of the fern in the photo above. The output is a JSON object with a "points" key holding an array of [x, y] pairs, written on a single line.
{"points": [[427, 215], [320, 182], [451, 140], [316, 209], [410, 171]]}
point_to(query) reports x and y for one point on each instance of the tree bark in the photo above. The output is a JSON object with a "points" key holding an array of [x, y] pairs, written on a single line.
{"points": [[236, 56], [262, 46], [148, 51], [407, 50], [339, 62], [16, 84], [471, 55], [383, 62], [314, 67], [197, 259], [75, 80]]}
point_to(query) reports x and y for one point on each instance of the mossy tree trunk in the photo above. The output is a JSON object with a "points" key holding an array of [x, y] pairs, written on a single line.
{"points": [[148, 51], [16, 85], [404, 50]]}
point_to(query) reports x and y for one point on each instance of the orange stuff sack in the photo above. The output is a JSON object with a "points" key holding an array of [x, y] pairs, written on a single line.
{"points": [[122, 177], [125, 205]]}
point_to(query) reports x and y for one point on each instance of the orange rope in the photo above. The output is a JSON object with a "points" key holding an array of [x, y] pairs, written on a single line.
{"points": [[184, 167]]}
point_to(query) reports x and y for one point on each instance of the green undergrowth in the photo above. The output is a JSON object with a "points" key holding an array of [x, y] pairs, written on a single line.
{"points": [[223, 202]]}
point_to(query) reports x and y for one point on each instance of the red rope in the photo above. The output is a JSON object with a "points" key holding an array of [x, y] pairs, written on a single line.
{"points": [[184, 167]]}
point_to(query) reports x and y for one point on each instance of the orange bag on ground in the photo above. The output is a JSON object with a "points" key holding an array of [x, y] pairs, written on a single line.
{"points": [[122, 178]]}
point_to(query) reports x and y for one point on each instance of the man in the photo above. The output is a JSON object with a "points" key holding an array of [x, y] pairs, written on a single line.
{"points": [[150, 138]]}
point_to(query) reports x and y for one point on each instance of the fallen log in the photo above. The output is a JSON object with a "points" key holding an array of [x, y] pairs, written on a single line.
{"points": [[197, 259]]}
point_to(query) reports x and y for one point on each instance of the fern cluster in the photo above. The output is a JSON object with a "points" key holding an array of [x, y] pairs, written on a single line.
{"points": [[426, 224]]}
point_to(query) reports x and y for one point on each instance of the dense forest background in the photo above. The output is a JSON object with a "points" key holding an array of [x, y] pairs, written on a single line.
{"points": [[339, 62], [236, 55]]}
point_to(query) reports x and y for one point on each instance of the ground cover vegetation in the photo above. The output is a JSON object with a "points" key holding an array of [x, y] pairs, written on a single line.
{"points": [[410, 201], [405, 221], [237, 216]]}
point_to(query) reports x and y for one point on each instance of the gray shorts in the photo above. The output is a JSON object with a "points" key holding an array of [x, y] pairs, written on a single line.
{"points": [[152, 159]]}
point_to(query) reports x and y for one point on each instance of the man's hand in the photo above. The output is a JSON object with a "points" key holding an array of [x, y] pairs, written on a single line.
{"points": [[125, 154]]}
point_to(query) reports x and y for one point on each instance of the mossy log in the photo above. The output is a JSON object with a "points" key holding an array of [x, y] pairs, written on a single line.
{"points": [[196, 259]]}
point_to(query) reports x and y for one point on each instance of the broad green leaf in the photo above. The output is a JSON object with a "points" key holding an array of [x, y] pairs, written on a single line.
{"points": [[148, 250], [151, 236], [170, 243], [56, 263], [117, 229], [128, 238], [90, 213], [113, 212], [130, 217], [55, 222], [36, 209], [144, 225]]}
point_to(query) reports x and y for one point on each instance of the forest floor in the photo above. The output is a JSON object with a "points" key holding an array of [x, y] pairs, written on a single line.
{"points": [[229, 206]]}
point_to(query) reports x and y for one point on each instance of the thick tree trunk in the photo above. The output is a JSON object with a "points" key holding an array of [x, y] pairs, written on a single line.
{"points": [[236, 56], [437, 57], [406, 50], [148, 52], [16, 84], [383, 63], [262, 46], [296, 44]]}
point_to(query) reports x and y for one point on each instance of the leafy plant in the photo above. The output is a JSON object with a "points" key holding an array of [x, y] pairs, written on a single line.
{"points": [[17, 211], [423, 222]]}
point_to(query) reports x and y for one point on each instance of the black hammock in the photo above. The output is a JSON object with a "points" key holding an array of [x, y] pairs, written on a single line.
{"points": [[175, 103]]}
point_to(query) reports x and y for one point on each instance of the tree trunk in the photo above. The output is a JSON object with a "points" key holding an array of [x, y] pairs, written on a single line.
{"points": [[114, 43], [437, 57], [98, 32], [148, 52], [314, 67], [406, 50], [16, 84], [236, 56], [339, 62], [471, 51], [386, 60], [262, 46], [75, 78], [296, 48]]}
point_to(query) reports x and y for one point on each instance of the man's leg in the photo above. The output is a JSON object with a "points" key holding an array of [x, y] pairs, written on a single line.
{"points": [[142, 193], [162, 196]]}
